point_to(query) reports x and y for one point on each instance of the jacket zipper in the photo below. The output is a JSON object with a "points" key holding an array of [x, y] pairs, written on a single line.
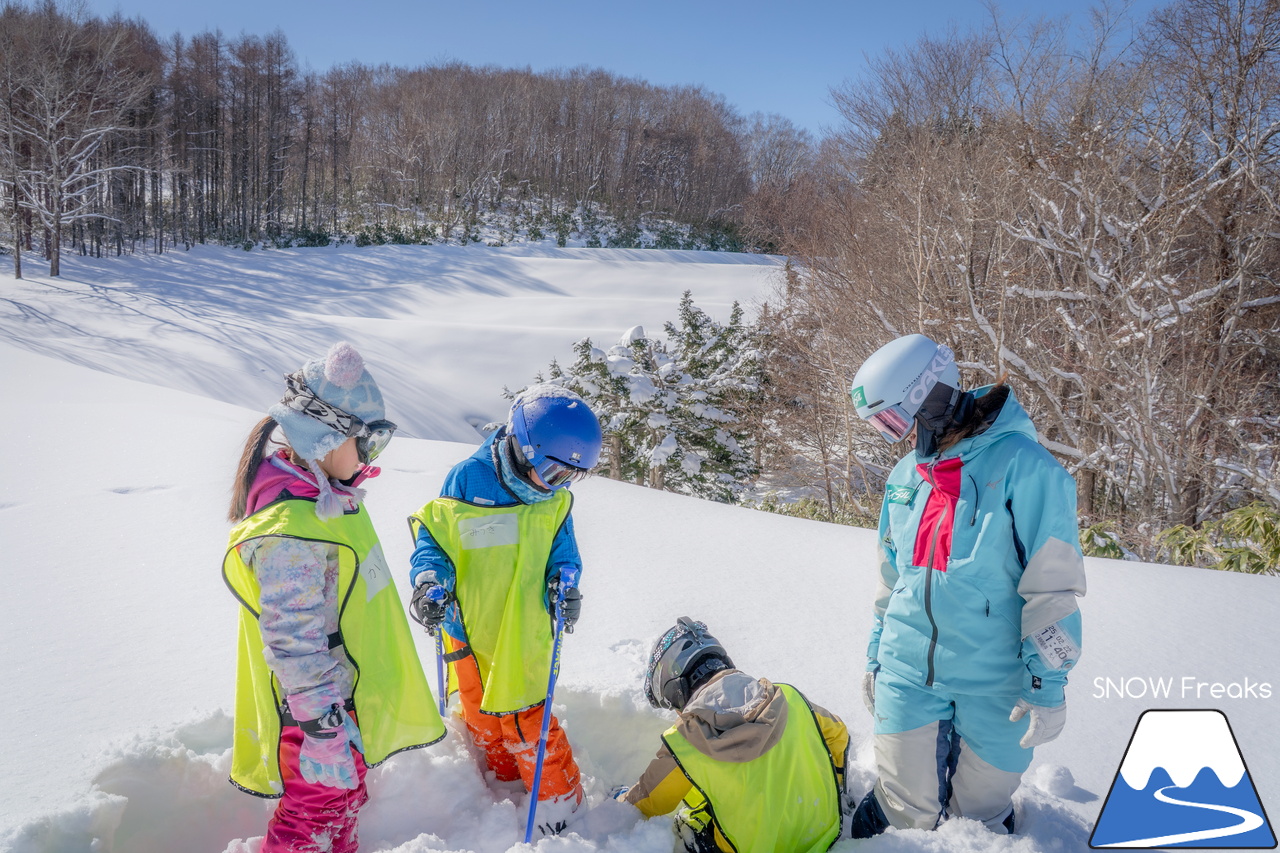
{"points": [[928, 584]]}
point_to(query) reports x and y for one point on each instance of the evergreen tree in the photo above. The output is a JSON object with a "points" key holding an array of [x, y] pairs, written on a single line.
{"points": [[722, 374], [672, 411]]}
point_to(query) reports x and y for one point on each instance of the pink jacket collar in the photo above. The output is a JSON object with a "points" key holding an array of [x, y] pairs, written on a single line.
{"points": [[276, 474]]}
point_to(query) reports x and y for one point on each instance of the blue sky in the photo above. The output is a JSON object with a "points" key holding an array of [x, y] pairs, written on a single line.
{"points": [[769, 57]]}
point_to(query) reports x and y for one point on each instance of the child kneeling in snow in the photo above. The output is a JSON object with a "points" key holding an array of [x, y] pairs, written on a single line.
{"points": [[754, 767], [316, 595]]}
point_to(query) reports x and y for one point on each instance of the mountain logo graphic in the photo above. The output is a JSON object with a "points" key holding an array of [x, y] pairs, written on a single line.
{"points": [[1183, 783]]}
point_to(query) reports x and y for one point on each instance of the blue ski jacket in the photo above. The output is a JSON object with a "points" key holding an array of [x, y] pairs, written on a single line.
{"points": [[980, 567], [483, 479]]}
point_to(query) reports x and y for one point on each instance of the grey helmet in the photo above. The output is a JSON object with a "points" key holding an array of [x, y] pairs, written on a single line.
{"points": [[683, 658], [891, 386]]}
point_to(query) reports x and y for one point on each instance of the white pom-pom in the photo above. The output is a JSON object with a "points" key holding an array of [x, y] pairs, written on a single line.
{"points": [[343, 366]]}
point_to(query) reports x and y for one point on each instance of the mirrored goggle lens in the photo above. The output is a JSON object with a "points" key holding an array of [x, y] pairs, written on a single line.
{"points": [[892, 422], [556, 474], [375, 440]]}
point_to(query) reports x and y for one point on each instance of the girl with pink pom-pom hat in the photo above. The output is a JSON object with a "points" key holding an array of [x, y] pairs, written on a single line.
{"points": [[305, 564]]}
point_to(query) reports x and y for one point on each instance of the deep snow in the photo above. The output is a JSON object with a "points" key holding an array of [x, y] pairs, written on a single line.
{"points": [[119, 635]]}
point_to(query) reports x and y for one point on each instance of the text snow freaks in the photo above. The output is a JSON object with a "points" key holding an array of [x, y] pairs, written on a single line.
{"points": [[1186, 687]]}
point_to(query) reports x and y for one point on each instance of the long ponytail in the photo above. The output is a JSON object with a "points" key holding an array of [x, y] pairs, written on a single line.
{"points": [[250, 457]]}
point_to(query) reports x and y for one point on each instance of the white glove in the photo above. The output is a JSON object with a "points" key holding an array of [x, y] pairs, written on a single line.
{"points": [[869, 691], [1046, 723]]}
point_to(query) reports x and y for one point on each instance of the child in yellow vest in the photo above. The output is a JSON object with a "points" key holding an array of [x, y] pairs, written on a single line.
{"points": [[489, 556], [307, 724], [753, 767]]}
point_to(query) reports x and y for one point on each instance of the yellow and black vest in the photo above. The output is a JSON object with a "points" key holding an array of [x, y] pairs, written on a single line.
{"points": [[392, 701], [500, 558], [784, 801]]}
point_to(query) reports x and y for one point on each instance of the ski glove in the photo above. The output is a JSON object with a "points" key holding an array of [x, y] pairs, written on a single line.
{"points": [[617, 792], [429, 605], [328, 735], [869, 690], [570, 607], [1046, 723]]}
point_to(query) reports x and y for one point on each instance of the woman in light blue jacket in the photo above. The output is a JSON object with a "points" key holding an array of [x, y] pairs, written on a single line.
{"points": [[976, 622]]}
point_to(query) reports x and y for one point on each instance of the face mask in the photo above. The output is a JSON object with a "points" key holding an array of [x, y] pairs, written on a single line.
{"points": [[945, 409]]}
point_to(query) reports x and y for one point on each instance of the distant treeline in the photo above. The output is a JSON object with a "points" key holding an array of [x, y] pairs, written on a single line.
{"points": [[115, 139]]}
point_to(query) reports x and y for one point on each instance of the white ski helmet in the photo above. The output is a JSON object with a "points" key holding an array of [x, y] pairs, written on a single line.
{"points": [[892, 384], [682, 658]]}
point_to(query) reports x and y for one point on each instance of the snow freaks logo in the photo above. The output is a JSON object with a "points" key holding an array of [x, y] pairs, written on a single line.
{"points": [[1183, 783]]}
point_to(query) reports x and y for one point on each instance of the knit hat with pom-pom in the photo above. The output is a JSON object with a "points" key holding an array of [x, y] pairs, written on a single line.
{"points": [[341, 380]]}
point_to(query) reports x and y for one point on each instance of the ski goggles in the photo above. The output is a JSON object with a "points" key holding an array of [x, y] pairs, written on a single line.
{"points": [[893, 423], [371, 438], [556, 474]]}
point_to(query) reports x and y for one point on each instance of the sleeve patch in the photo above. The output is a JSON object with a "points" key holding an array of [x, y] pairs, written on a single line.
{"points": [[1057, 649]]}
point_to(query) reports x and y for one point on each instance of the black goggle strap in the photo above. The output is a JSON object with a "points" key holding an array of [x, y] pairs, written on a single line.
{"points": [[300, 398]]}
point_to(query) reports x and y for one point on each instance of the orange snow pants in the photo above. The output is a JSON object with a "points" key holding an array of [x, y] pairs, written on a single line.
{"points": [[510, 741]]}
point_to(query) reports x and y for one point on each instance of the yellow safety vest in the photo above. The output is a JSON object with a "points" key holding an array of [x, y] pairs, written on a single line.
{"points": [[499, 555], [392, 700], [785, 801]]}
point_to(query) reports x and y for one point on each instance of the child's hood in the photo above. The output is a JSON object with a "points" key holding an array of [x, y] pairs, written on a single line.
{"points": [[734, 717]]}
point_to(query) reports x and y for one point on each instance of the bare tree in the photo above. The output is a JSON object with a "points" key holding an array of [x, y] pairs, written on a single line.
{"points": [[73, 96], [1096, 219]]}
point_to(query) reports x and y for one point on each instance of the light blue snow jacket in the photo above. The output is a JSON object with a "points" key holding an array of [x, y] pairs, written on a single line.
{"points": [[961, 615], [483, 479]]}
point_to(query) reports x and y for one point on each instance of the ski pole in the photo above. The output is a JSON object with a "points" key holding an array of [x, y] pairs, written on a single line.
{"points": [[568, 579], [438, 594], [442, 685]]}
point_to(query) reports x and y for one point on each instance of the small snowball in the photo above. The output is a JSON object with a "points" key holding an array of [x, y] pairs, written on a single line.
{"points": [[1055, 779], [343, 366]]}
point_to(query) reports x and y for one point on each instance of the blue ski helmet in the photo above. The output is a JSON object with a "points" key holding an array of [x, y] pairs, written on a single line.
{"points": [[556, 432]]}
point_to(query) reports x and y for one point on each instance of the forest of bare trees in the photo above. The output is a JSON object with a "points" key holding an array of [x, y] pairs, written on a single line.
{"points": [[1095, 220], [1089, 207], [116, 141]]}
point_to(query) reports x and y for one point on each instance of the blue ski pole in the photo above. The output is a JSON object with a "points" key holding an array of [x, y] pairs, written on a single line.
{"points": [[443, 686], [568, 579], [438, 594]]}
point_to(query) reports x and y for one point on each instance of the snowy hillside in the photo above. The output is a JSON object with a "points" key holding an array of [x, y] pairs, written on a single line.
{"points": [[119, 635]]}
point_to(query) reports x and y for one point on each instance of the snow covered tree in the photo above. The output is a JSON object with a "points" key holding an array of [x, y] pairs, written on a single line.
{"points": [[71, 95], [721, 372], [674, 411]]}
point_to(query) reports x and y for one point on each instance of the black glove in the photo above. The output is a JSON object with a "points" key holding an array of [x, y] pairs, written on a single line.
{"points": [[570, 608], [428, 605]]}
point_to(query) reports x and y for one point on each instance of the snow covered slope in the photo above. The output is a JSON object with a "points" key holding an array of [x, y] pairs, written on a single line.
{"points": [[118, 640], [448, 326]]}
